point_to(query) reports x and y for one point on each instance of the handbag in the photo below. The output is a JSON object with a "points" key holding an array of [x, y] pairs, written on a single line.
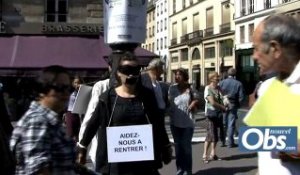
{"points": [[213, 113]]}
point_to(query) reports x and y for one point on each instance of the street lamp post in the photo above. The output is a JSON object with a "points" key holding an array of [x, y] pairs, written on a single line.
{"points": [[124, 28]]}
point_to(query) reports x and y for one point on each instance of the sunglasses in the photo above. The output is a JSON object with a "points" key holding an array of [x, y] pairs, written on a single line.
{"points": [[129, 70]]}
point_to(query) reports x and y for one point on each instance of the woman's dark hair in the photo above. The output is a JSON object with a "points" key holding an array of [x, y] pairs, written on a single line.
{"points": [[184, 73], [127, 56], [79, 78]]}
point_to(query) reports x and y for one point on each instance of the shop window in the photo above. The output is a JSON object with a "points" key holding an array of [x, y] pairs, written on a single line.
{"points": [[226, 47], [184, 54], [196, 54], [209, 52]]}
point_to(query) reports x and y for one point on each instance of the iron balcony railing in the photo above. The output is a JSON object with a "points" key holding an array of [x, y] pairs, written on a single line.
{"points": [[224, 28], [173, 41], [209, 31]]}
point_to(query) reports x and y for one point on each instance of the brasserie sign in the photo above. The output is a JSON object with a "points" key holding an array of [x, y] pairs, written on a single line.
{"points": [[71, 29]]}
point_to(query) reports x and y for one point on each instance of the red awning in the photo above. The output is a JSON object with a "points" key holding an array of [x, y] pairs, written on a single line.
{"points": [[68, 51]]}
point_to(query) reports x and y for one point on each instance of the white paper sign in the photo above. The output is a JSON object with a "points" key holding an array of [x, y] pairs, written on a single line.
{"points": [[125, 21], [82, 99], [130, 143]]}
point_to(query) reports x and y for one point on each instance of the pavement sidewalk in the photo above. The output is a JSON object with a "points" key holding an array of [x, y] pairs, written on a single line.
{"points": [[233, 162], [200, 130]]}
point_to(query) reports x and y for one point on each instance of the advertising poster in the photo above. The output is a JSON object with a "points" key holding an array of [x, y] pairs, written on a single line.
{"points": [[130, 143], [124, 21]]}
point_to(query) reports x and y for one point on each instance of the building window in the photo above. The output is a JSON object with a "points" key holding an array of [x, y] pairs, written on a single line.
{"points": [[149, 32], [161, 43], [166, 23], [157, 44], [251, 30], [225, 12], [184, 54], [174, 6], [209, 52], [149, 17], [183, 4], [191, 2], [251, 6], [284, 1], [196, 54], [209, 22], [243, 7], [153, 45], [152, 30], [56, 11], [184, 26], [157, 26], [165, 42], [226, 47], [174, 30], [267, 4], [209, 18], [157, 10], [153, 15], [161, 25], [166, 5], [196, 22], [161, 8], [174, 57], [242, 34]]}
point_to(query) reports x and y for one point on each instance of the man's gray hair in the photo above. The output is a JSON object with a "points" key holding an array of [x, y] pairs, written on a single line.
{"points": [[283, 29], [231, 72], [155, 63]]}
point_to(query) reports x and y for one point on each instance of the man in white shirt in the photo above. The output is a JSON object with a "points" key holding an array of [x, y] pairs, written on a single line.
{"points": [[151, 80], [98, 88], [276, 43]]}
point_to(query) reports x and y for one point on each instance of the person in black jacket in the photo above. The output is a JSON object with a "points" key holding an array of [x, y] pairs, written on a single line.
{"points": [[129, 103], [7, 163]]}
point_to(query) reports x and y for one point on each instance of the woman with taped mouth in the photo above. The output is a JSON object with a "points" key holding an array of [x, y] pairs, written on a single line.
{"points": [[127, 104]]}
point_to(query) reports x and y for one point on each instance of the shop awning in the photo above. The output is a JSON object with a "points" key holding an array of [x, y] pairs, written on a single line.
{"points": [[69, 51]]}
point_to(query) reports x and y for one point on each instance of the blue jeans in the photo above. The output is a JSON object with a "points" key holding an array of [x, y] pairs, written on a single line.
{"points": [[183, 147], [230, 120]]}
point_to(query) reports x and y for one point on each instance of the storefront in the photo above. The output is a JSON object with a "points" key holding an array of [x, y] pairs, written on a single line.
{"points": [[26, 49], [247, 70]]}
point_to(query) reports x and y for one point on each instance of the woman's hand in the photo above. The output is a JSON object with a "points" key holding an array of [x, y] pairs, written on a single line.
{"points": [[193, 105], [81, 155]]}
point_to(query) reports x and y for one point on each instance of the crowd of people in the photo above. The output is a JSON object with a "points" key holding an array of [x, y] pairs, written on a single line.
{"points": [[51, 139]]}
